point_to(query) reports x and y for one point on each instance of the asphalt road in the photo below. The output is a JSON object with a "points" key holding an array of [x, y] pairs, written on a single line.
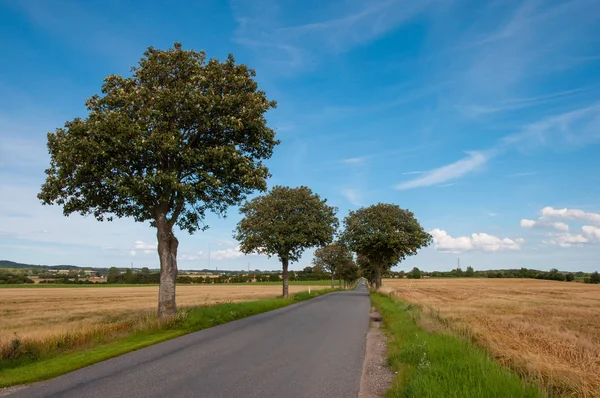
{"points": [[310, 349]]}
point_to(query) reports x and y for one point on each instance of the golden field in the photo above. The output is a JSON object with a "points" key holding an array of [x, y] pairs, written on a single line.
{"points": [[40, 313], [547, 331]]}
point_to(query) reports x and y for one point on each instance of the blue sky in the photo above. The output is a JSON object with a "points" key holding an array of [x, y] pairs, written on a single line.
{"points": [[483, 118]]}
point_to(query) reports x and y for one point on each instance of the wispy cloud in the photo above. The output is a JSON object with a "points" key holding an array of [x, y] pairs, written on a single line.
{"points": [[413, 172], [524, 174], [514, 104], [384, 154], [353, 196], [576, 127], [359, 25], [354, 160], [337, 27], [474, 161], [64, 17], [510, 48]]}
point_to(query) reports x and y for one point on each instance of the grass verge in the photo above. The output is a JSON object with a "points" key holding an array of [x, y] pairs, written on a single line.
{"points": [[432, 363], [28, 361]]}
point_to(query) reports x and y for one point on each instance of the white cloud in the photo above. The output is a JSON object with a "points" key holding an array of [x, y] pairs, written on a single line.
{"points": [[446, 243], [191, 257], [474, 161], [227, 242], [477, 241], [227, 254], [567, 240], [132, 253], [145, 247], [571, 214], [591, 231], [544, 223], [527, 223], [564, 238]]}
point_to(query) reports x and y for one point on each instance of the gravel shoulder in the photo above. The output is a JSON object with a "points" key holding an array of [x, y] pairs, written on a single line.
{"points": [[376, 376]]}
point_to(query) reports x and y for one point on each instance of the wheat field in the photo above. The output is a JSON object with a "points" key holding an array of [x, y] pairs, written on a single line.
{"points": [[45, 312], [547, 331]]}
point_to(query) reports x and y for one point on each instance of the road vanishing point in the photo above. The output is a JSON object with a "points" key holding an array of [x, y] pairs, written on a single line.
{"points": [[315, 348]]}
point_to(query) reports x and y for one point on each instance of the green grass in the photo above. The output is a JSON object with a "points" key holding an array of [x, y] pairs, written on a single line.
{"points": [[54, 362], [440, 364]]}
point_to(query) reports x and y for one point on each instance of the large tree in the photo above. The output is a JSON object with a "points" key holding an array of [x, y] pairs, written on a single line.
{"points": [[384, 234], [332, 258], [284, 223], [181, 136]]}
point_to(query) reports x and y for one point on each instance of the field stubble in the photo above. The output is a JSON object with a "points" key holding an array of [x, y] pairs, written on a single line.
{"points": [[43, 313], [547, 331]]}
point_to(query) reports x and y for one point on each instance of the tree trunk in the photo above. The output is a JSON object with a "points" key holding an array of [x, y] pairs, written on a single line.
{"points": [[332, 280], [167, 252], [285, 262], [377, 278]]}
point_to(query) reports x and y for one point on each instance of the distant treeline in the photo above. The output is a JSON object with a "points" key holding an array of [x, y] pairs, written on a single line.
{"points": [[553, 274], [115, 276], [8, 278]]}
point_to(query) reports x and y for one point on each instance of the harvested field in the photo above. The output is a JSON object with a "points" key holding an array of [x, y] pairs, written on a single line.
{"points": [[44, 312], [547, 331]]}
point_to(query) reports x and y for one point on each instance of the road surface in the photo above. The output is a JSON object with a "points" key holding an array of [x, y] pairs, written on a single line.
{"points": [[311, 349]]}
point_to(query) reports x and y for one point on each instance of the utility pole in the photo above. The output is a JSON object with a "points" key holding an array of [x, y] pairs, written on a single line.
{"points": [[459, 262]]}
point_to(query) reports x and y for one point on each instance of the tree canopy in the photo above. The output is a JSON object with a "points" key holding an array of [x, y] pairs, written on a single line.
{"points": [[284, 223], [332, 258], [181, 136], [384, 234]]}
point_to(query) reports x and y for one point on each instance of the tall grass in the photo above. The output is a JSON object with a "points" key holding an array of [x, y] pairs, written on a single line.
{"points": [[438, 364], [28, 360]]}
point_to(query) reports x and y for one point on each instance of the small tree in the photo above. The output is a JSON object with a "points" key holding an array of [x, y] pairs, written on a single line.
{"points": [[114, 275], [332, 258], [415, 273], [470, 272], [385, 234], [180, 137], [595, 277], [570, 277], [284, 223]]}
